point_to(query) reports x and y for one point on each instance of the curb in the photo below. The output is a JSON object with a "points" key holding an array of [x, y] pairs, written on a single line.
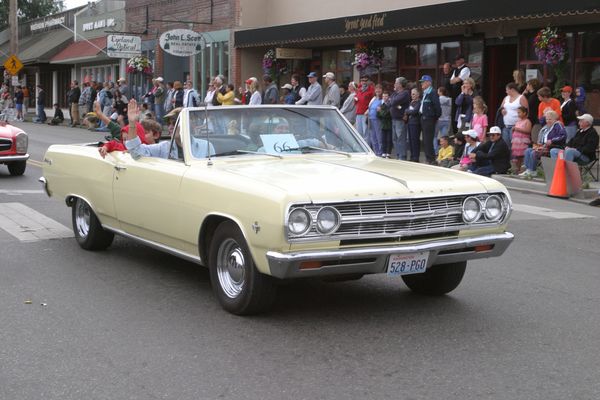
{"points": [[583, 197]]}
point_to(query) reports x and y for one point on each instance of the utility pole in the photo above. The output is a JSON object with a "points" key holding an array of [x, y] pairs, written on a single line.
{"points": [[14, 27]]}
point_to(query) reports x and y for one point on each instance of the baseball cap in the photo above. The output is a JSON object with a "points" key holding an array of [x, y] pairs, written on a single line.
{"points": [[471, 132], [287, 86], [172, 114], [426, 78], [160, 79], [495, 129], [249, 81], [329, 75], [587, 117], [312, 75], [567, 89]]}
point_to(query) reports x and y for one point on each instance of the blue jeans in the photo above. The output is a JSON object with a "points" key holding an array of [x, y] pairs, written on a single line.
{"points": [[571, 131], [361, 126], [571, 155], [414, 140], [441, 128], [399, 136], [41, 114], [375, 135], [486, 170], [159, 112], [507, 135], [531, 158]]}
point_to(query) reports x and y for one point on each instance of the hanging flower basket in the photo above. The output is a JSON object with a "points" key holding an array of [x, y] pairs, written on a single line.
{"points": [[272, 66], [550, 46], [139, 64], [367, 54]]}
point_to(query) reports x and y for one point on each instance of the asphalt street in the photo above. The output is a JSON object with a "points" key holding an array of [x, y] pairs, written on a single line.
{"points": [[133, 323]]}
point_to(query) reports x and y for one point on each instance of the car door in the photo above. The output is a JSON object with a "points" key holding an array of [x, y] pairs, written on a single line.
{"points": [[146, 196]]}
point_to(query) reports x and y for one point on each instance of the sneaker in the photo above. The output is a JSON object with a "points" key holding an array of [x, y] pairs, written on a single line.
{"points": [[526, 174], [595, 202]]}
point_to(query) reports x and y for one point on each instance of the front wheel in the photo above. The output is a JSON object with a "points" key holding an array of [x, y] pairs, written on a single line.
{"points": [[237, 284], [17, 167], [87, 228], [437, 280]]}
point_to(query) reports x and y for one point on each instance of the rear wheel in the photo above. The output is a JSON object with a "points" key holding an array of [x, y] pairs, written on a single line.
{"points": [[17, 167], [437, 280], [237, 284], [87, 229]]}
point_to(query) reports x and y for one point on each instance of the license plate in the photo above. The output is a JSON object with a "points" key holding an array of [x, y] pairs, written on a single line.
{"points": [[406, 264]]}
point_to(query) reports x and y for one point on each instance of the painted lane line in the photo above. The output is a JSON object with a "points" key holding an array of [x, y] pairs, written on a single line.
{"points": [[548, 213], [28, 225], [18, 192]]}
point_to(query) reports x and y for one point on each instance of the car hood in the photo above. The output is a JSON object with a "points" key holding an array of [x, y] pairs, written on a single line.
{"points": [[329, 178]]}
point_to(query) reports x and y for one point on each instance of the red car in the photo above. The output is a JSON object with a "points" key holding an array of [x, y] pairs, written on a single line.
{"points": [[13, 148]]}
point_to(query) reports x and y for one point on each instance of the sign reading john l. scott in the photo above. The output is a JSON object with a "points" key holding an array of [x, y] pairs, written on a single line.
{"points": [[121, 46], [182, 42]]}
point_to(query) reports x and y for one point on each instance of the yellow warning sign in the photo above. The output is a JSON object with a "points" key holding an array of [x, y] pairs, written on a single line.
{"points": [[13, 65]]}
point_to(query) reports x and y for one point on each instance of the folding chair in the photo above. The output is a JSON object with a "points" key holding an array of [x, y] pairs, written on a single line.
{"points": [[592, 168]]}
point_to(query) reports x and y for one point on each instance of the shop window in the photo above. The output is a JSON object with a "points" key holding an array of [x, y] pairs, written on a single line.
{"points": [[410, 55], [428, 54], [449, 51], [340, 63], [590, 44], [418, 60], [389, 70]]}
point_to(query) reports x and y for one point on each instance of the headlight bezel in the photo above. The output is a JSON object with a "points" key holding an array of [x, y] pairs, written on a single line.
{"points": [[335, 226], [21, 142], [501, 208], [309, 222], [477, 217]]}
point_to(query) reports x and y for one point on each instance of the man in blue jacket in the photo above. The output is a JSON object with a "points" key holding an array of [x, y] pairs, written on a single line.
{"points": [[399, 102], [430, 112]]}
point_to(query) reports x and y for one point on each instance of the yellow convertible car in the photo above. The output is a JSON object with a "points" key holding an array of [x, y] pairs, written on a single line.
{"points": [[261, 194]]}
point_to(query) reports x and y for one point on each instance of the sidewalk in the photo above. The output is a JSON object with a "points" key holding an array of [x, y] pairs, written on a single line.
{"points": [[538, 186]]}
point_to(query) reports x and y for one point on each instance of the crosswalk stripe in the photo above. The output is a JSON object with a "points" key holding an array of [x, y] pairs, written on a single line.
{"points": [[548, 213], [28, 225]]}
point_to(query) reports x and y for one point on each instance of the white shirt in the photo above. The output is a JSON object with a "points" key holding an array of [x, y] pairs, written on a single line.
{"points": [[256, 98]]}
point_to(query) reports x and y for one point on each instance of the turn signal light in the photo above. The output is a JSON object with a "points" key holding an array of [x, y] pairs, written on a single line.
{"points": [[485, 247], [311, 264]]}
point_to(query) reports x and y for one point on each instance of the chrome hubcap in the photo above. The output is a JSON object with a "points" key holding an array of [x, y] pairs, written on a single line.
{"points": [[82, 218], [231, 268]]}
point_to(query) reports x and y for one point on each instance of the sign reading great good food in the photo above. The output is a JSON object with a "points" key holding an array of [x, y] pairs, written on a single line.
{"points": [[121, 46], [182, 42]]}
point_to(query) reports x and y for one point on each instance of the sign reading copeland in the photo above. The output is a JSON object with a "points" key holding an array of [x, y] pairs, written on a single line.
{"points": [[182, 42], [121, 46]]}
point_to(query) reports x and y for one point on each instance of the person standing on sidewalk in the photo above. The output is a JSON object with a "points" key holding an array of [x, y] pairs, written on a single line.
{"points": [[363, 96], [26, 99], [85, 98], [41, 104], [313, 95], [399, 102], [332, 91], [430, 111], [159, 99], [19, 103], [73, 101]]}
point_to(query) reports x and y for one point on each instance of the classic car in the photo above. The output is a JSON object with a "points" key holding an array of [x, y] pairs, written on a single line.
{"points": [[13, 147], [262, 194]]}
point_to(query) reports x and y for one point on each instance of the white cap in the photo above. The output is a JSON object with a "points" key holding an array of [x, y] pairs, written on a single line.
{"points": [[287, 86], [471, 132], [587, 117], [159, 79], [329, 75], [495, 129]]}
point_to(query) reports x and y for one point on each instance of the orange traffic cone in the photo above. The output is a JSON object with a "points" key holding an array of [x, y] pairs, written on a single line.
{"points": [[558, 188]]}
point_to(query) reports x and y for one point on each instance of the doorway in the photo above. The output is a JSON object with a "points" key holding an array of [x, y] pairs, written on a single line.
{"points": [[500, 62]]}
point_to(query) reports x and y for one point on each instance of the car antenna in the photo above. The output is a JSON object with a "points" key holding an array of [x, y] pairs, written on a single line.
{"points": [[209, 161]]}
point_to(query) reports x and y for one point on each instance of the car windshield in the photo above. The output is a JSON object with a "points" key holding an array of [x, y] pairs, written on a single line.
{"points": [[278, 131]]}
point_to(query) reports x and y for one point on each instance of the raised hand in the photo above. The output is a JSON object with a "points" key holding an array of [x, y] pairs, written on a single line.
{"points": [[133, 112]]}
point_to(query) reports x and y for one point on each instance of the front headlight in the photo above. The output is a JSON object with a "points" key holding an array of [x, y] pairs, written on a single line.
{"points": [[299, 221], [328, 219], [493, 208], [471, 210], [21, 142]]}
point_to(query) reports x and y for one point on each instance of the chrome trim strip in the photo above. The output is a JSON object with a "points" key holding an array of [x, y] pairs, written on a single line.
{"points": [[373, 260], [44, 183], [157, 246], [23, 157]]}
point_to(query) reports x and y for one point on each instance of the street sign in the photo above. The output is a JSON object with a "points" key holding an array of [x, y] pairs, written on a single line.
{"points": [[13, 65], [121, 46]]}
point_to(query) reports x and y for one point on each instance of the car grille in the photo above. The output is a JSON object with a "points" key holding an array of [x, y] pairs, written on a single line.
{"points": [[5, 144], [392, 218]]}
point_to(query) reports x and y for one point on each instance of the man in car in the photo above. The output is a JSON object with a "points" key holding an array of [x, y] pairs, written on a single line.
{"points": [[163, 149]]}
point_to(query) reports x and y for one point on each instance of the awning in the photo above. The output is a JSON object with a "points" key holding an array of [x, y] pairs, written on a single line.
{"points": [[448, 14], [82, 51], [38, 48]]}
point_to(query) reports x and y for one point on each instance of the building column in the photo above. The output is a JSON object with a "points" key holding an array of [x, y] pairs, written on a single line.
{"points": [[54, 87], [122, 67]]}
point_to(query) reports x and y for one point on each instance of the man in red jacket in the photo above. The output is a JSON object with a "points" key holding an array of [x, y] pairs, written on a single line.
{"points": [[363, 96]]}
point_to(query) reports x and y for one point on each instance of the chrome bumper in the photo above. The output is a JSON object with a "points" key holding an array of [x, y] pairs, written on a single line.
{"points": [[21, 157], [373, 260]]}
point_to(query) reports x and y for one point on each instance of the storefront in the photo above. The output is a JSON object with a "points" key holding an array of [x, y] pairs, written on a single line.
{"points": [[87, 56], [496, 38]]}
